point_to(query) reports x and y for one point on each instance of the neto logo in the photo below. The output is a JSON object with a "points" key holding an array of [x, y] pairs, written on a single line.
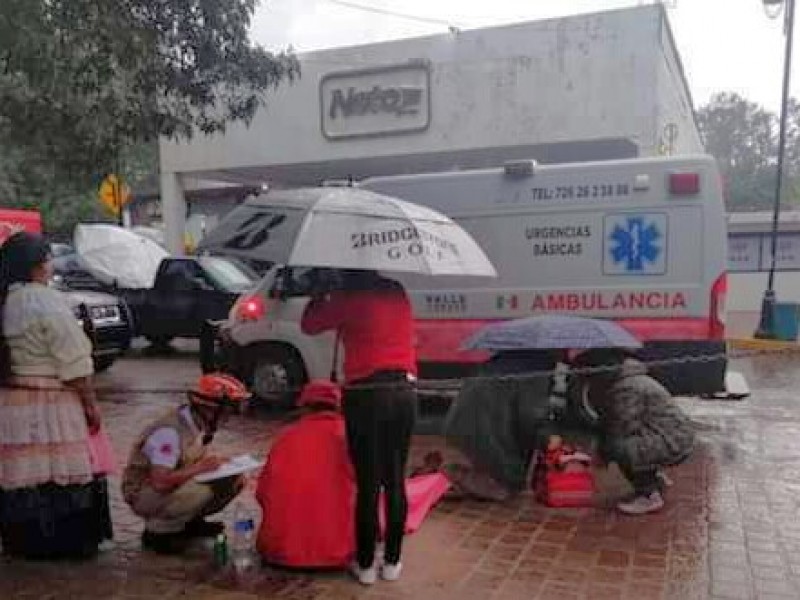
{"points": [[398, 101]]}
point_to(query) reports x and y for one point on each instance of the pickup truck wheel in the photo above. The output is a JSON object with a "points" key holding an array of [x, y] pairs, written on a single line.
{"points": [[103, 363], [276, 377]]}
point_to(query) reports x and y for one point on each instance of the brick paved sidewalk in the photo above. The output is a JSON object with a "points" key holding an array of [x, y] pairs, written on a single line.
{"points": [[730, 530]]}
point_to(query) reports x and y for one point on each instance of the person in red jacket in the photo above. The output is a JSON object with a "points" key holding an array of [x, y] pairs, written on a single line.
{"points": [[306, 489], [372, 316]]}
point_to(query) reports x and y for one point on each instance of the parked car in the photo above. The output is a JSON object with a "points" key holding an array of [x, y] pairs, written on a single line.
{"points": [[105, 319], [186, 293]]}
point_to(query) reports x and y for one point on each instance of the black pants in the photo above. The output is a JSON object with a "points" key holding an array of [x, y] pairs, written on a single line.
{"points": [[380, 421], [643, 482]]}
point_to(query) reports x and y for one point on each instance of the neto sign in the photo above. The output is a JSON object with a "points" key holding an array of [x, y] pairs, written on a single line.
{"points": [[373, 102], [396, 101]]}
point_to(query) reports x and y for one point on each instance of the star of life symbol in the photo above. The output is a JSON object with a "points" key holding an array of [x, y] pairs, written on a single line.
{"points": [[636, 244]]}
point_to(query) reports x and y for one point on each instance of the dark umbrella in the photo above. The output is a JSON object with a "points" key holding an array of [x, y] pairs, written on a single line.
{"points": [[551, 332]]}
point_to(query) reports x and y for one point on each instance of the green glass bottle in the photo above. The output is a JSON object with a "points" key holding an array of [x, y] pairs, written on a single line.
{"points": [[221, 550]]}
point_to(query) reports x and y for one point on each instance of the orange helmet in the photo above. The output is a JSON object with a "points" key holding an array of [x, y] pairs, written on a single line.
{"points": [[321, 391], [218, 388]]}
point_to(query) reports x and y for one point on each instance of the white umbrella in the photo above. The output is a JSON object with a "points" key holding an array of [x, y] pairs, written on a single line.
{"points": [[347, 228], [151, 233], [116, 255]]}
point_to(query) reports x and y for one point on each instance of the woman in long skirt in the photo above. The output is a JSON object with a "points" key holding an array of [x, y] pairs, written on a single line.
{"points": [[51, 504]]}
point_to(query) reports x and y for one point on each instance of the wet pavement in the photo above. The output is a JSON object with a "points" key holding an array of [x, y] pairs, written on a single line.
{"points": [[731, 528]]}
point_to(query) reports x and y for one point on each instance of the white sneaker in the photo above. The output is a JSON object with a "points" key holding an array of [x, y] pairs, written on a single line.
{"points": [[642, 505], [391, 572], [665, 479], [364, 576]]}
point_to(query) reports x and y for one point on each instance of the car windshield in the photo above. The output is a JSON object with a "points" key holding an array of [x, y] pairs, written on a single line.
{"points": [[228, 275]]}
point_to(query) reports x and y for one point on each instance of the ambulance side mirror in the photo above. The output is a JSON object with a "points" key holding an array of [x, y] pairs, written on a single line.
{"points": [[279, 289]]}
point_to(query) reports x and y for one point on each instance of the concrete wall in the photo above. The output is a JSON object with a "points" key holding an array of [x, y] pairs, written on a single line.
{"points": [[581, 88], [590, 77], [675, 129]]}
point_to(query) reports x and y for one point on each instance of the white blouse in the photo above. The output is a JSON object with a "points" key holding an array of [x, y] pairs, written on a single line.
{"points": [[43, 335]]}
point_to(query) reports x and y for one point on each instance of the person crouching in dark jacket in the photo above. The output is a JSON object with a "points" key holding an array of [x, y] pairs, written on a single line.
{"points": [[642, 429]]}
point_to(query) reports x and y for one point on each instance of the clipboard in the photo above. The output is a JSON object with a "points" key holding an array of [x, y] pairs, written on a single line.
{"points": [[235, 466]]}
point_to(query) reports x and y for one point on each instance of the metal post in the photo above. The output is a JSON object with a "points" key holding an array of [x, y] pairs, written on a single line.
{"points": [[766, 326]]}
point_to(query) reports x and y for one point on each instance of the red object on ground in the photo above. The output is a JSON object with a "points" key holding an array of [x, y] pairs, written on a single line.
{"points": [[563, 478], [568, 490], [307, 495], [377, 329], [12, 221], [423, 492]]}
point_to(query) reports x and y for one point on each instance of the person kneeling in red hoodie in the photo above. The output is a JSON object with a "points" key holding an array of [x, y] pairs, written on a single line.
{"points": [[306, 489]]}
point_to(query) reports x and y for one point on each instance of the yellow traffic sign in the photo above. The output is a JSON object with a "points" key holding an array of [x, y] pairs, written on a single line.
{"points": [[114, 194]]}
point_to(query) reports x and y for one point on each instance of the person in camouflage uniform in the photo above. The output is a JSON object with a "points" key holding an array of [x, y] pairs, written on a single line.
{"points": [[642, 429]]}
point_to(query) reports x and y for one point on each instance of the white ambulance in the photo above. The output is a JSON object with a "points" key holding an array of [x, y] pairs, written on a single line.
{"points": [[642, 242]]}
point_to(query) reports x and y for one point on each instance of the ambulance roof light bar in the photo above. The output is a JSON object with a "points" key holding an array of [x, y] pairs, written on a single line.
{"points": [[520, 168]]}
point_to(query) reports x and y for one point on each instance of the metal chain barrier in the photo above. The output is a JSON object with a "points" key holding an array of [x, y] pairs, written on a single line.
{"points": [[453, 385]]}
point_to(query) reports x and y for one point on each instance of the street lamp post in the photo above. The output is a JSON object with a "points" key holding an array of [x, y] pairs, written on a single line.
{"points": [[766, 326]]}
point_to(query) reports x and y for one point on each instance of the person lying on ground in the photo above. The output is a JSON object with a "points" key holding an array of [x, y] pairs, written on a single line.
{"points": [[497, 422], [641, 429], [159, 480]]}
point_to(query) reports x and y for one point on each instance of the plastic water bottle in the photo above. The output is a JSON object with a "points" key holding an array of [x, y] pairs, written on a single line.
{"points": [[243, 532]]}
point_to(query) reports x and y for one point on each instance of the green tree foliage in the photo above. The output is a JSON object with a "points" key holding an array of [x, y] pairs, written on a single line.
{"points": [[743, 137], [86, 83]]}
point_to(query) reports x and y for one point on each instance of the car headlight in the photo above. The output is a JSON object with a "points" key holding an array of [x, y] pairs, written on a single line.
{"points": [[105, 314]]}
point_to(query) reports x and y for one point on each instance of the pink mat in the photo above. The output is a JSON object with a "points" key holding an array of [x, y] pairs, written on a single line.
{"points": [[423, 492]]}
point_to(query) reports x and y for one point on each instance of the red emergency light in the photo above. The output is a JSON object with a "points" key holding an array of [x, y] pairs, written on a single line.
{"points": [[250, 308], [684, 184]]}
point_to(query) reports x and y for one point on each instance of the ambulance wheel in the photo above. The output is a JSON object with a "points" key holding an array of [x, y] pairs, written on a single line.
{"points": [[579, 406], [277, 375]]}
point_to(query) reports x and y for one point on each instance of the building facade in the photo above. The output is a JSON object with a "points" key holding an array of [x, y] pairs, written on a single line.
{"points": [[589, 87]]}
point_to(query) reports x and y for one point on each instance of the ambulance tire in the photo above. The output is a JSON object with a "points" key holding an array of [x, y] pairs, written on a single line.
{"points": [[580, 409], [276, 375]]}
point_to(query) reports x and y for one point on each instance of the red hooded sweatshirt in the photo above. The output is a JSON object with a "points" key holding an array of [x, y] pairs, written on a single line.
{"points": [[377, 329], [307, 494]]}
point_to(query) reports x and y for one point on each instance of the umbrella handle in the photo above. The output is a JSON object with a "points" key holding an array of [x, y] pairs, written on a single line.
{"points": [[334, 376]]}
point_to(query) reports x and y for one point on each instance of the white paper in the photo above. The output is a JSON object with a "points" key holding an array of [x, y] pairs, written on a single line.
{"points": [[235, 466]]}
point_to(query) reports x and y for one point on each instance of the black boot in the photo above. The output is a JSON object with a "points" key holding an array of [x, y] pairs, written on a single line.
{"points": [[164, 543], [200, 528]]}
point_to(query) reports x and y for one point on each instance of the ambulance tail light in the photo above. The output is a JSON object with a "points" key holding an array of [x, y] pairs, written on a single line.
{"points": [[249, 308], [716, 317], [684, 184]]}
